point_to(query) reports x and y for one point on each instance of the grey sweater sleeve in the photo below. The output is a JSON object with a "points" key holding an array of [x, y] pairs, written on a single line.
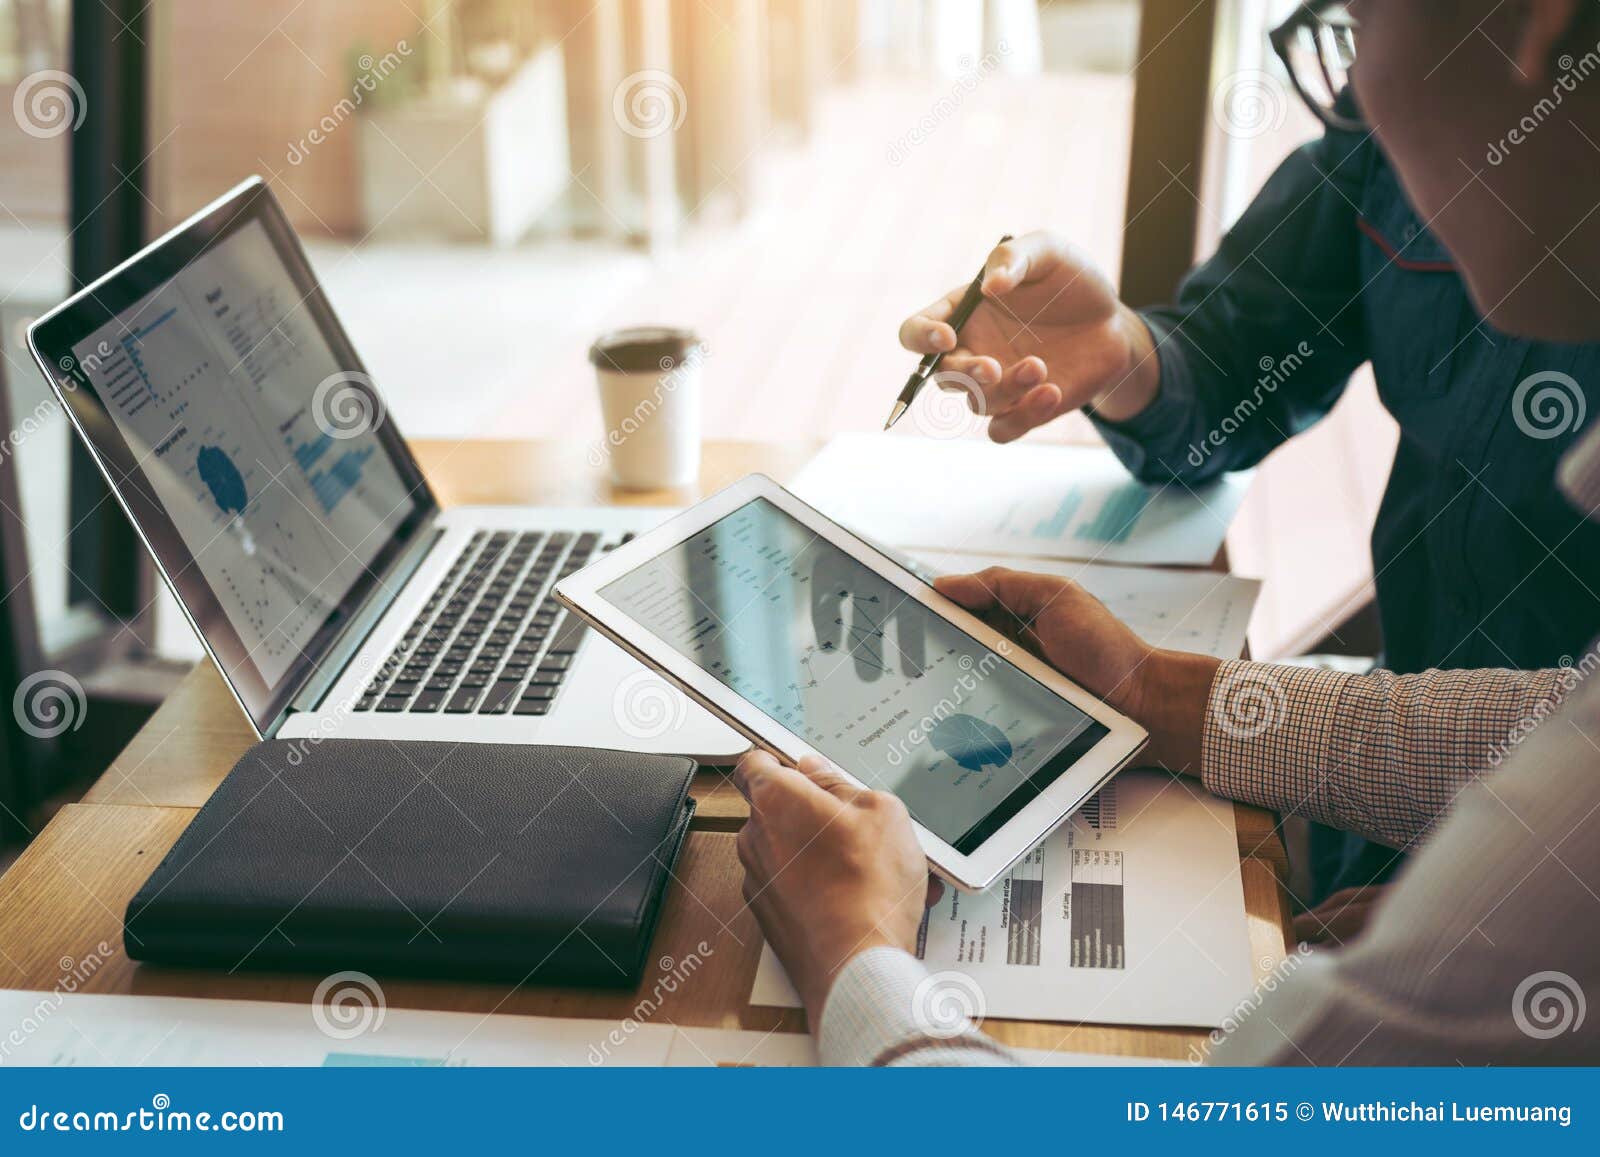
{"points": [[1486, 949]]}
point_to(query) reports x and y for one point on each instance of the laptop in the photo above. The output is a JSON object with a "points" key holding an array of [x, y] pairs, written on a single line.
{"points": [[218, 393]]}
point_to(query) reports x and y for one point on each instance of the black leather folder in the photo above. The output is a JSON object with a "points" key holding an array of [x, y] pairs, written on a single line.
{"points": [[542, 865]]}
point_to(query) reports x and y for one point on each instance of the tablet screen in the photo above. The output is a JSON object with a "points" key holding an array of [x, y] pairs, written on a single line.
{"points": [[903, 699]]}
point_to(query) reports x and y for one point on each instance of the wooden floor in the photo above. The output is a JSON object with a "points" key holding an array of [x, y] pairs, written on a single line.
{"points": [[799, 303]]}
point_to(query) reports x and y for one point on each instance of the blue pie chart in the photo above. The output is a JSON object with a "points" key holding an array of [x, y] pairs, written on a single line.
{"points": [[223, 479], [971, 742]]}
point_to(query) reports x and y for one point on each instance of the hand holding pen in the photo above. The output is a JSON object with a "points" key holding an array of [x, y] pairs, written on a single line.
{"points": [[1045, 335], [929, 365]]}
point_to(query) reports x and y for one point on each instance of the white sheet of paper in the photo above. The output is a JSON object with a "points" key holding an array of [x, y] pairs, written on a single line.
{"points": [[56, 1028], [1049, 501], [1184, 610], [1131, 913], [92, 1030], [737, 1048], [746, 1048]]}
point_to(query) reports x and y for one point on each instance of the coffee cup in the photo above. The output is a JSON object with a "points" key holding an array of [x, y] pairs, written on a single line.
{"points": [[650, 382]]}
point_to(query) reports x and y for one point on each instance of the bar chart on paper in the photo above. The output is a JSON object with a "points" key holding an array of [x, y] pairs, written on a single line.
{"points": [[1116, 514], [1095, 910], [1066, 502], [1132, 912]]}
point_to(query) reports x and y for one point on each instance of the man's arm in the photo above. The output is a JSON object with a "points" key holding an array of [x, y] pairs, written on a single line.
{"points": [[1382, 755], [1259, 343], [836, 878], [1483, 951], [1264, 335]]}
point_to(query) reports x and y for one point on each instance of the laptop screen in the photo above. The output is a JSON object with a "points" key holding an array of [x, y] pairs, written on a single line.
{"points": [[280, 486]]}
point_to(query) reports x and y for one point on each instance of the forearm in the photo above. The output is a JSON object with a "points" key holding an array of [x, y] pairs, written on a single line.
{"points": [[1473, 949], [1245, 359], [1152, 418], [1209, 411], [1382, 755]]}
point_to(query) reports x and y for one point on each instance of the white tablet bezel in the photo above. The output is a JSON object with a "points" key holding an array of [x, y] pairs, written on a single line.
{"points": [[972, 872]]}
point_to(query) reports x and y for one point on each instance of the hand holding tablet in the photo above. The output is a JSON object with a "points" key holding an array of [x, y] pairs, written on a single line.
{"points": [[1167, 691], [811, 642], [836, 901]]}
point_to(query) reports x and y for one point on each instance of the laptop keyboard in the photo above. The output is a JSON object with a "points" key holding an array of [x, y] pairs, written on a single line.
{"points": [[491, 639]]}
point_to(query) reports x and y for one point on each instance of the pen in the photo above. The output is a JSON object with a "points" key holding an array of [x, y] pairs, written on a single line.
{"points": [[929, 364]]}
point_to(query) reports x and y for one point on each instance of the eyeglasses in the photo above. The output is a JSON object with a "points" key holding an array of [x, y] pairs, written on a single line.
{"points": [[1317, 45]]}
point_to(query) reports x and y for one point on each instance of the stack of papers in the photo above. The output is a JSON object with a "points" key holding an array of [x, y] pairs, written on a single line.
{"points": [[1199, 611], [1045, 501]]}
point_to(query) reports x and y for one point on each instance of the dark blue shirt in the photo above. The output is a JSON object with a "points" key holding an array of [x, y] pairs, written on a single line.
{"points": [[1479, 562]]}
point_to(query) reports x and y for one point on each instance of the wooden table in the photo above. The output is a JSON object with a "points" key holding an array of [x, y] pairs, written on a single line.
{"points": [[65, 896]]}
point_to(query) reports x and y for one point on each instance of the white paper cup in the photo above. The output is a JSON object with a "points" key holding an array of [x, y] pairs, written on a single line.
{"points": [[649, 380]]}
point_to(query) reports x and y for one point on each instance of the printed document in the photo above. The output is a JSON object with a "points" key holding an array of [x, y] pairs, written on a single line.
{"points": [[1198, 611], [1046, 501], [1130, 913]]}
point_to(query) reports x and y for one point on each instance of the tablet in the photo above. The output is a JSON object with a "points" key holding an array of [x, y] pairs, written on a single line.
{"points": [[810, 641]]}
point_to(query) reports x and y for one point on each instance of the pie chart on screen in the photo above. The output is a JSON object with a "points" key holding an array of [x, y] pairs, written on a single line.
{"points": [[223, 479], [971, 742]]}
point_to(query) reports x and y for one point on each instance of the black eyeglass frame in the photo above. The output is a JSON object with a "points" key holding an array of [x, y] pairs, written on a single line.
{"points": [[1309, 18]]}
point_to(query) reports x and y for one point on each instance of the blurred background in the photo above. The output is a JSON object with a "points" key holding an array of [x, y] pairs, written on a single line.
{"points": [[485, 185]]}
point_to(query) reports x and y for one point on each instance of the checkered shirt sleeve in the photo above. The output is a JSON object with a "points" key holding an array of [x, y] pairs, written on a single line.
{"points": [[1382, 755]]}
